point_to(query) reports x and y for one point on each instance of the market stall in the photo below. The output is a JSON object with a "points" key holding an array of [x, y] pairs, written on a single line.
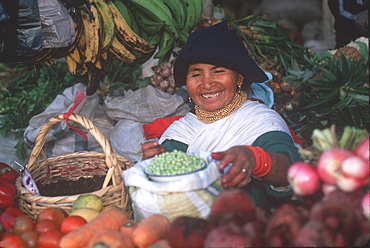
{"points": [[83, 183]]}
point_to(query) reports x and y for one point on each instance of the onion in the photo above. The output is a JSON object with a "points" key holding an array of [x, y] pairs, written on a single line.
{"points": [[165, 65], [157, 69], [350, 184], [304, 178], [328, 165], [362, 149], [365, 205], [166, 72], [164, 84], [355, 166]]}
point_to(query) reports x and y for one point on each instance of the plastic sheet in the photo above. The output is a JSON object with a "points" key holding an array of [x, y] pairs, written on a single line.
{"points": [[20, 31], [57, 24]]}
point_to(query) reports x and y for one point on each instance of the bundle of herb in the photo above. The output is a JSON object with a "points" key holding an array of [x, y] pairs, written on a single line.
{"points": [[25, 93]]}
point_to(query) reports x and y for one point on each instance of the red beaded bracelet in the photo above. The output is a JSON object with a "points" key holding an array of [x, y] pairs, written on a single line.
{"points": [[263, 161]]}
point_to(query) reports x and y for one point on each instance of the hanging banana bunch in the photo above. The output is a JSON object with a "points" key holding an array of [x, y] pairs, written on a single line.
{"points": [[131, 31]]}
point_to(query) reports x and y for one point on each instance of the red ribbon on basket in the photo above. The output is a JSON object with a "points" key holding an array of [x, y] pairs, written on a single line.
{"points": [[80, 96]]}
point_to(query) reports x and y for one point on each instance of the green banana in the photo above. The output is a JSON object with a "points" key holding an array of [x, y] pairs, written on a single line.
{"points": [[178, 9], [194, 12], [154, 39], [165, 45], [157, 11], [147, 25]]}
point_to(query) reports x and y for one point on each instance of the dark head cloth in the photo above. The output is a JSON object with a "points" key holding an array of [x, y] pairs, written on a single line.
{"points": [[217, 45]]}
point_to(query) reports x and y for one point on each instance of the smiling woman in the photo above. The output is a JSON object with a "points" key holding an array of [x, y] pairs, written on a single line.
{"points": [[217, 70], [212, 87]]}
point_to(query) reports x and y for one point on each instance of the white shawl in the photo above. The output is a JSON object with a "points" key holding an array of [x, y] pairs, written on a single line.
{"points": [[242, 127]]}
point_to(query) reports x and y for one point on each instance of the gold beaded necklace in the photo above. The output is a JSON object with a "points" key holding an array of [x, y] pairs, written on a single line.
{"points": [[206, 116]]}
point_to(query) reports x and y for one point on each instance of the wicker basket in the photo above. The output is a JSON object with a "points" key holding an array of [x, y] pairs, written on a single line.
{"points": [[72, 167]]}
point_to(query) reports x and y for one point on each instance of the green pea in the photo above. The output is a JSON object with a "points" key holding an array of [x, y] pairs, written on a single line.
{"points": [[174, 163]]}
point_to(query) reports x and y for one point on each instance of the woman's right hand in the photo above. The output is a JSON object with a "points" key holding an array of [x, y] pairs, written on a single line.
{"points": [[151, 148]]}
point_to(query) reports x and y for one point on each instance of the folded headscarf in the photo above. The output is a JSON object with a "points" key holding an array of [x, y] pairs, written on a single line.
{"points": [[217, 45]]}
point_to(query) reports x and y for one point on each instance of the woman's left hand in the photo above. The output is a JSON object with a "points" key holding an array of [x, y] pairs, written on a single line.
{"points": [[242, 159]]}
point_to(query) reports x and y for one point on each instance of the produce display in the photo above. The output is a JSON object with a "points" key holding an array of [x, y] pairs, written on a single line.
{"points": [[330, 207], [322, 96]]}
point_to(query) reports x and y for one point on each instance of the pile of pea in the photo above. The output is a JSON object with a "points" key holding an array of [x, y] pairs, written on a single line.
{"points": [[174, 163]]}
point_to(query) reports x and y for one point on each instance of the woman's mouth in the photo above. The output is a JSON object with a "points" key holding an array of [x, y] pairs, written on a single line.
{"points": [[211, 95]]}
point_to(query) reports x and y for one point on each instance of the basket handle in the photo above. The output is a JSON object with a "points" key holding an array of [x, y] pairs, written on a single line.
{"points": [[114, 171]]}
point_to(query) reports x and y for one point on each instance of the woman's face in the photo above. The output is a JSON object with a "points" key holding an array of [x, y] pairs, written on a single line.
{"points": [[212, 87]]}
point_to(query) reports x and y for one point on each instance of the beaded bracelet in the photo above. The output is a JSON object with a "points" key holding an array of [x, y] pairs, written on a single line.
{"points": [[263, 161]]}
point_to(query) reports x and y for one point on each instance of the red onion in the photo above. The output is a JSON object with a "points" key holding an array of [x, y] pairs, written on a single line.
{"points": [[362, 149], [328, 166], [365, 203], [166, 72], [355, 166], [164, 84], [304, 178], [157, 69], [165, 65]]}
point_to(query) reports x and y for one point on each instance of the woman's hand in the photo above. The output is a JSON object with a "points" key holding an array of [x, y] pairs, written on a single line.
{"points": [[150, 149], [243, 162]]}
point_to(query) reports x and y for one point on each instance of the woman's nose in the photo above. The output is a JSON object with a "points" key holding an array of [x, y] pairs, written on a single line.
{"points": [[208, 80]]}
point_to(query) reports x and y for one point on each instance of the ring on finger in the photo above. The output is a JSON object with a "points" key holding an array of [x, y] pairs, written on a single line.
{"points": [[244, 170]]}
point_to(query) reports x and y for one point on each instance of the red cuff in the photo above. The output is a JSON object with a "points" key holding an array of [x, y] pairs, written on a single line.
{"points": [[157, 127]]}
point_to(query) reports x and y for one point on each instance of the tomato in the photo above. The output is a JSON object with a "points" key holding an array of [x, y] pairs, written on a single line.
{"points": [[30, 238], [12, 241], [7, 218], [49, 239], [23, 223], [71, 223], [42, 226], [53, 213]]}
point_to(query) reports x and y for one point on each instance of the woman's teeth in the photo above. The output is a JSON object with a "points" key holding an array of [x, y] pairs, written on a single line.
{"points": [[210, 95]]}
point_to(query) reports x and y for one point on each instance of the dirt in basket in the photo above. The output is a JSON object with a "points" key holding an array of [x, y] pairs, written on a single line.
{"points": [[64, 187]]}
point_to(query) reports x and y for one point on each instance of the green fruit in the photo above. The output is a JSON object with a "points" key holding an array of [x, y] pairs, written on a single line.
{"points": [[86, 213], [88, 201]]}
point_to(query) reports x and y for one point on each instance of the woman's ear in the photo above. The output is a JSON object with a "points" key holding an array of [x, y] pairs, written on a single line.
{"points": [[240, 80]]}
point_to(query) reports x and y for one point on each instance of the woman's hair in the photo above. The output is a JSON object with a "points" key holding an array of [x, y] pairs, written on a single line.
{"points": [[221, 46]]}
